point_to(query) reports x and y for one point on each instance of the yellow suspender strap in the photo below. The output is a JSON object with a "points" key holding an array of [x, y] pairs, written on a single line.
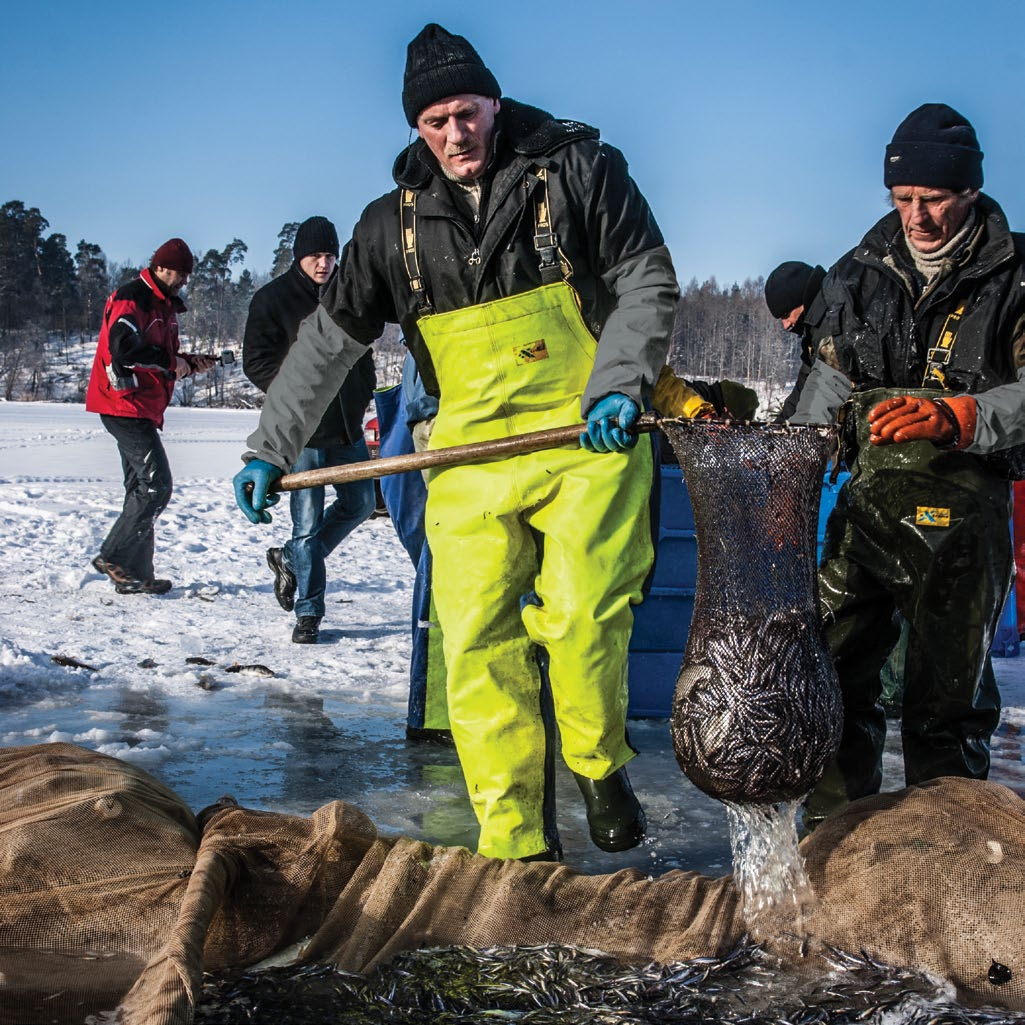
{"points": [[407, 215], [939, 355], [552, 261]]}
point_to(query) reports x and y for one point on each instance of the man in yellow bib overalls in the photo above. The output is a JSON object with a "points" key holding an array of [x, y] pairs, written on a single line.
{"points": [[533, 288]]}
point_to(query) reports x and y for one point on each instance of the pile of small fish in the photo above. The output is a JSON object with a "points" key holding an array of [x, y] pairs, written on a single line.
{"points": [[552, 985]]}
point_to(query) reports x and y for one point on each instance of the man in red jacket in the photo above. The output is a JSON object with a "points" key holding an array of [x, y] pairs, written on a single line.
{"points": [[134, 372]]}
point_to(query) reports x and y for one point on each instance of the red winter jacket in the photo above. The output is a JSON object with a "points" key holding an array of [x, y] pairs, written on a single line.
{"points": [[133, 372]]}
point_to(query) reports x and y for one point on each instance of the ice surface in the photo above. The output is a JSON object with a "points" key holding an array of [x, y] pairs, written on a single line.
{"points": [[330, 723]]}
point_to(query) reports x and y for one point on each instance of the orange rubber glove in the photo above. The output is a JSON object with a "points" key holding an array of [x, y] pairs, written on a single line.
{"points": [[947, 423]]}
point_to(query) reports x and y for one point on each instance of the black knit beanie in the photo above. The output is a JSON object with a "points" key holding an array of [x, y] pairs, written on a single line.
{"points": [[790, 285], [315, 235], [439, 64], [935, 147]]}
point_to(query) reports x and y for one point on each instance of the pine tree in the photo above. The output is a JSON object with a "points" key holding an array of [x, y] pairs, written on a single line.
{"points": [[93, 285], [283, 254], [211, 296], [21, 291], [59, 283]]}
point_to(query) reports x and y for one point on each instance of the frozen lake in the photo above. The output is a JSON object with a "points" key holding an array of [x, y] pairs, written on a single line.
{"points": [[330, 722]]}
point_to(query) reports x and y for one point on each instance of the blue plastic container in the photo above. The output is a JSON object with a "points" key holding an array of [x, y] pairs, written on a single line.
{"points": [[662, 621]]}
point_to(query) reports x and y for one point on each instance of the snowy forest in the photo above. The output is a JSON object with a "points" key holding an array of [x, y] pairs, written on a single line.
{"points": [[51, 303]]}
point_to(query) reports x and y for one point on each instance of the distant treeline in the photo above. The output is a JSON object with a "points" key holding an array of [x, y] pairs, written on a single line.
{"points": [[727, 332], [52, 301]]}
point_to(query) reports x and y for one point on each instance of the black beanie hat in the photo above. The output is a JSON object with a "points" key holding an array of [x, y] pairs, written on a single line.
{"points": [[315, 235], [790, 285], [935, 147], [439, 64]]}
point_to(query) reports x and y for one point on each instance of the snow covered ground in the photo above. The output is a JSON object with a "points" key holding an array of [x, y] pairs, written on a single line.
{"points": [[155, 682]]}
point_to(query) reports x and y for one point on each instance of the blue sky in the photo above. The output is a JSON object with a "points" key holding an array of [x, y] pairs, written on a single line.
{"points": [[756, 130]]}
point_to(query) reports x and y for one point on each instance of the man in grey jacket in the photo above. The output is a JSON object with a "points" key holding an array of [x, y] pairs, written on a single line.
{"points": [[921, 350], [534, 289]]}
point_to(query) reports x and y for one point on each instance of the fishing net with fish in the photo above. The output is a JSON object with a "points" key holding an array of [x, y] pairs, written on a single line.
{"points": [[112, 893], [757, 712]]}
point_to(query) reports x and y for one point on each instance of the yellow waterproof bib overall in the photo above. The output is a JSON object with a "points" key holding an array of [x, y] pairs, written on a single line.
{"points": [[568, 524]]}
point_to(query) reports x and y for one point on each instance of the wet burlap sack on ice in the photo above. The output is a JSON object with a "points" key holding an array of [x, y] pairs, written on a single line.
{"points": [[930, 877], [110, 894]]}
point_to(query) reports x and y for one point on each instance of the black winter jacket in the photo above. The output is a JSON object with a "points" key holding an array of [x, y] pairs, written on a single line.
{"points": [[886, 327], [808, 325], [275, 314], [621, 268], [879, 326]]}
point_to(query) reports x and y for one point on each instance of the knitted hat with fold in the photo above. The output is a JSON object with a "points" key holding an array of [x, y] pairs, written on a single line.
{"points": [[790, 285], [174, 254], [438, 65], [315, 235], [935, 147]]}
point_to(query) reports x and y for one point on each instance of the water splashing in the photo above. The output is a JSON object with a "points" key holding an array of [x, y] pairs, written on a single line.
{"points": [[776, 895]]}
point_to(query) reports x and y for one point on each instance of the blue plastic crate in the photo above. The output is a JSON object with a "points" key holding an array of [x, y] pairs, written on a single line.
{"points": [[675, 512], [676, 563], [652, 680], [662, 621]]}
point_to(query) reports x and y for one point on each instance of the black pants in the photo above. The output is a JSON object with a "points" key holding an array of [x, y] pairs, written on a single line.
{"points": [[148, 486], [926, 533]]}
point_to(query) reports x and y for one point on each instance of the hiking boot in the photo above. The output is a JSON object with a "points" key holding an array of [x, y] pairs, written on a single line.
{"points": [[284, 580], [112, 570], [307, 630], [126, 583], [131, 585], [614, 815]]}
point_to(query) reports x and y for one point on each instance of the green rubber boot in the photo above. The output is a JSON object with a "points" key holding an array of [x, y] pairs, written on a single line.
{"points": [[614, 815]]}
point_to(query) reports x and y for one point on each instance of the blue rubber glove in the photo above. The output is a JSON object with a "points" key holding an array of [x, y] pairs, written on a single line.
{"points": [[602, 435], [252, 484]]}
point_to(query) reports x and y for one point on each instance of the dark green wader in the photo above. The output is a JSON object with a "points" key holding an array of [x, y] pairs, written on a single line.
{"points": [[923, 531]]}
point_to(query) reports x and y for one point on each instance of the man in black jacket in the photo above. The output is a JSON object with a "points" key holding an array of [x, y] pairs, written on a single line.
{"points": [[534, 289], [923, 345], [792, 295], [275, 313]]}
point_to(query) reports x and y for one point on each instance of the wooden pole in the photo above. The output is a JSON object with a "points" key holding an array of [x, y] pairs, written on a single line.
{"points": [[478, 452]]}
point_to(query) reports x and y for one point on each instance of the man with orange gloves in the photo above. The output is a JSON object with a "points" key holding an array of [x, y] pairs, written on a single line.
{"points": [[923, 346]]}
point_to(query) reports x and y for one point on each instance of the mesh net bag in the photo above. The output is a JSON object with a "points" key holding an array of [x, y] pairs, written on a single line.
{"points": [[85, 895], [113, 892], [409, 895], [757, 712], [112, 896]]}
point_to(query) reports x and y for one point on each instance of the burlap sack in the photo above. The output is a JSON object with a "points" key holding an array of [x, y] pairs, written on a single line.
{"points": [[110, 895], [931, 877]]}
